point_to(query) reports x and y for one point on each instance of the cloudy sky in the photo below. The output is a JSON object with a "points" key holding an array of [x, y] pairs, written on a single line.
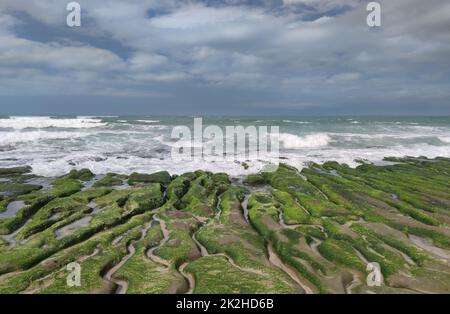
{"points": [[225, 57]]}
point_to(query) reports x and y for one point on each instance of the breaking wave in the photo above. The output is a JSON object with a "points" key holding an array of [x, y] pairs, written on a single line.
{"points": [[20, 123], [291, 141], [8, 138]]}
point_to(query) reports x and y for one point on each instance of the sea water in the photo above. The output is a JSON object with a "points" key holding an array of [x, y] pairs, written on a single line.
{"points": [[54, 145]]}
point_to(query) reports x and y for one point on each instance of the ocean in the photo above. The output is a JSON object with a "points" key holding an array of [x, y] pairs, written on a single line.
{"points": [[53, 146]]}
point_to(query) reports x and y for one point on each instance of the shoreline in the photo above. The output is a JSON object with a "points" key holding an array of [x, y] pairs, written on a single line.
{"points": [[385, 161]]}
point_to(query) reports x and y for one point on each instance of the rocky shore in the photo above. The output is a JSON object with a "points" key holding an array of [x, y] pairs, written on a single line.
{"points": [[290, 231]]}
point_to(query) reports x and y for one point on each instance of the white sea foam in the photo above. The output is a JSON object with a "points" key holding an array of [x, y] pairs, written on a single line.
{"points": [[91, 117], [445, 139], [20, 123], [349, 156], [387, 136], [58, 166], [9, 138], [148, 121], [291, 141], [54, 146]]}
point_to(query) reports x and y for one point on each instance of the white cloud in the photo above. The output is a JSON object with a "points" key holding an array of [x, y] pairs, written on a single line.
{"points": [[241, 46], [145, 62], [22, 52]]}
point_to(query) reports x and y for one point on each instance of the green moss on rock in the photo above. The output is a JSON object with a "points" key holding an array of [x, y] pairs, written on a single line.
{"points": [[108, 181], [254, 180], [16, 171], [162, 177], [15, 189], [83, 175], [144, 199]]}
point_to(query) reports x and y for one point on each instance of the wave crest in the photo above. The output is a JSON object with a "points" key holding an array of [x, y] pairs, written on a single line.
{"points": [[10, 138], [291, 141], [20, 123]]}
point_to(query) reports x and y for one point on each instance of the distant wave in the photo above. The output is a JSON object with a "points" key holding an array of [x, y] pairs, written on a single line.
{"points": [[20, 123], [9, 138], [298, 122], [91, 117], [148, 121]]}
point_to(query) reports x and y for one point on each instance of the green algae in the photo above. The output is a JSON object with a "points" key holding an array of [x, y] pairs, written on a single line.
{"points": [[16, 171], [82, 175], [216, 275], [321, 222], [162, 177], [109, 180], [254, 180], [14, 189]]}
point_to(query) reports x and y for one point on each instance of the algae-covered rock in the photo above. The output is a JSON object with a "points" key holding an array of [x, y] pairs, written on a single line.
{"points": [[254, 180], [162, 177], [64, 186], [177, 188], [144, 199], [310, 231], [83, 175], [221, 178], [14, 189], [16, 171], [3, 205], [109, 180]]}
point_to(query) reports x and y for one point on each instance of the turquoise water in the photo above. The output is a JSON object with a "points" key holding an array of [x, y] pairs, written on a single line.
{"points": [[53, 146]]}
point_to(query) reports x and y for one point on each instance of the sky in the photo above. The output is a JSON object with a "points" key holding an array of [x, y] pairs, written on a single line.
{"points": [[225, 57]]}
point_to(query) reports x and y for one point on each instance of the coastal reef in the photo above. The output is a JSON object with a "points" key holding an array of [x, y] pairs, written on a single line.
{"points": [[320, 229]]}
